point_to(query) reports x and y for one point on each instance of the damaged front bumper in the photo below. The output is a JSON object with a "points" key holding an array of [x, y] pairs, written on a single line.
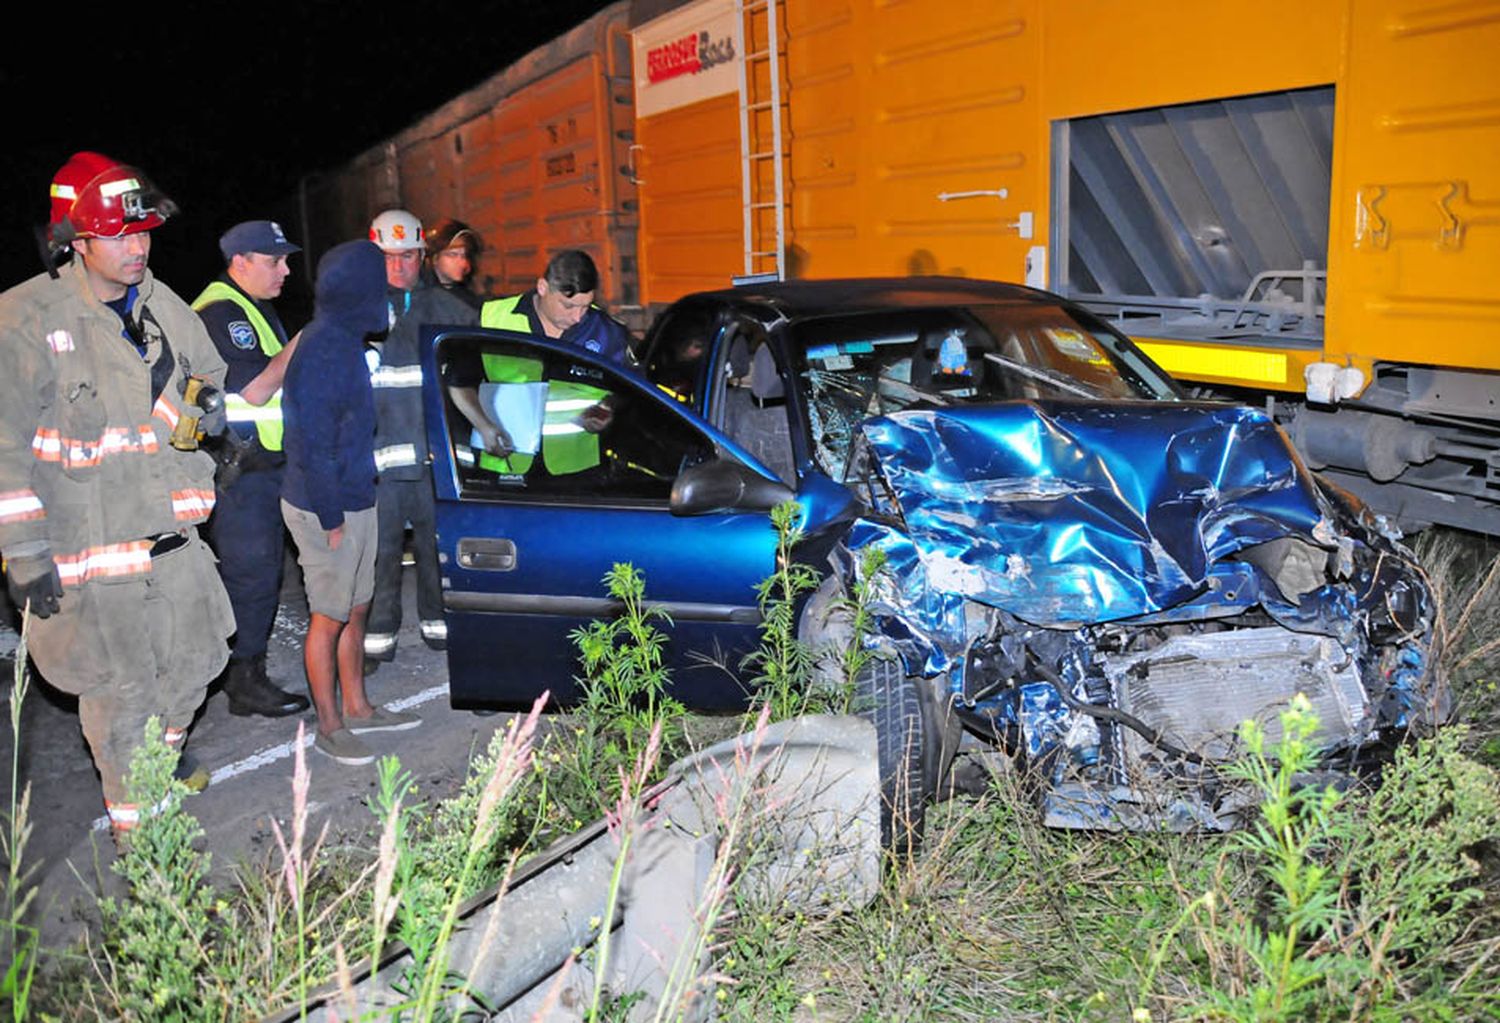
{"points": [[1111, 588]]}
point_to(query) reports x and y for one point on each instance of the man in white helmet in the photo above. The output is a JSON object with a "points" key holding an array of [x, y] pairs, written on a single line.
{"points": [[404, 492]]}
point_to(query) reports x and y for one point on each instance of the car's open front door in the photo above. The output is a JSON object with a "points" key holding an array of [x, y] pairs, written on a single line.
{"points": [[525, 540]]}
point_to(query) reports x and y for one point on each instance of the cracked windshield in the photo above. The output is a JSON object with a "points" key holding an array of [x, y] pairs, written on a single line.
{"points": [[864, 366]]}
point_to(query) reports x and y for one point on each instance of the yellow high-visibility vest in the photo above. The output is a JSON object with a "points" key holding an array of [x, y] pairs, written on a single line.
{"points": [[566, 446], [267, 417], [500, 314]]}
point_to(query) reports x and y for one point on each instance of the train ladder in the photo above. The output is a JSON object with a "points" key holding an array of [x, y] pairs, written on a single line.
{"points": [[762, 152]]}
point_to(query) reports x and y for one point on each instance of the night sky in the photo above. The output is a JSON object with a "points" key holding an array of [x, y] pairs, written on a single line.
{"points": [[226, 106]]}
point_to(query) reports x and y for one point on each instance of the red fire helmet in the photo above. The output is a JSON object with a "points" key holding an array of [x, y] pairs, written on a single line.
{"points": [[94, 196]]}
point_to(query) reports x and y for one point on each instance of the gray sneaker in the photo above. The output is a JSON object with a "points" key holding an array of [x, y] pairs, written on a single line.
{"points": [[343, 747], [382, 719]]}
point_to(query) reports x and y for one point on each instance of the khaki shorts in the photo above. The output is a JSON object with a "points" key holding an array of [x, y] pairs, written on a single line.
{"points": [[337, 581]]}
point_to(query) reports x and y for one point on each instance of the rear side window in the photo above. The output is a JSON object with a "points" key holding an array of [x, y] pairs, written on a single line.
{"points": [[679, 353]]}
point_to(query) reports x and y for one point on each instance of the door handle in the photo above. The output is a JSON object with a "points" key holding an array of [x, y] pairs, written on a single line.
{"points": [[486, 555]]}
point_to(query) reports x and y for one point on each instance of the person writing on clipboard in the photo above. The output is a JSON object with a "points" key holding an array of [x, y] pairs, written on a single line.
{"points": [[516, 415]]}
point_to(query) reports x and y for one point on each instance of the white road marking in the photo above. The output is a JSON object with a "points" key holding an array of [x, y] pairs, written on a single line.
{"points": [[274, 754]]}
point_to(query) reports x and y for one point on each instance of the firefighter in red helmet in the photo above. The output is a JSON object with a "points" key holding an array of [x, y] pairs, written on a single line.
{"points": [[107, 378]]}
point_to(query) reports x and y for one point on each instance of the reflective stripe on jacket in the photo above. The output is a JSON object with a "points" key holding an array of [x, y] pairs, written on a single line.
{"points": [[267, 417], [87, 470]]}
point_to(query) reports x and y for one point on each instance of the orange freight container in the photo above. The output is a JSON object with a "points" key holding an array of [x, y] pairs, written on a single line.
{"points": [[534, 159], [911, 142], [687, 159]]}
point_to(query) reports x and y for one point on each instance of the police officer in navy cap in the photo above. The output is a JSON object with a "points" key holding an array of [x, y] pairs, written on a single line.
{"points": [[246, 529]]}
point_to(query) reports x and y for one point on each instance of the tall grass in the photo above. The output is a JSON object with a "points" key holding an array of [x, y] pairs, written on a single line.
{"points": [[1463, 572], [18, 940], [1373, 903]]}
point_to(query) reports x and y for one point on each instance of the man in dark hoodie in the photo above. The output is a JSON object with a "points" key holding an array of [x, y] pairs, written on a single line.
{"points": [[328, 498], [405, 486]]}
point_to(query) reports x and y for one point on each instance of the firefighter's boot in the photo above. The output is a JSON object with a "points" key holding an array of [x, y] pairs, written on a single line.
{"points": [[191, 773]]}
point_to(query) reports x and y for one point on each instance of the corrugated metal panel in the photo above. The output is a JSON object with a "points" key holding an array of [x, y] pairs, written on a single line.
{"points": [[1200, 200], [547, 180], [896, 105], [532, 158], [429, 176], [690, 198], [687, 64], [892, 106]]}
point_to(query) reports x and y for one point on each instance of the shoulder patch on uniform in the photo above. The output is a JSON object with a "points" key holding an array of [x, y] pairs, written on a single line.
{"points": [[593, 345], [242, 335]]}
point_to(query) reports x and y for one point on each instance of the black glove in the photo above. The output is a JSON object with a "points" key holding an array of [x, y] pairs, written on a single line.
{"points": [[35, 581], [232, 456]]}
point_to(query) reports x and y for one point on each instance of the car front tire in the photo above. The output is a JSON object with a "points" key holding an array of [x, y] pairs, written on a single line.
{"points": [[885, 696]]}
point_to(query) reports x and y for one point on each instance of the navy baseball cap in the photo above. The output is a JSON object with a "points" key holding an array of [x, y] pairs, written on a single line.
{"points": [[256, 236]]}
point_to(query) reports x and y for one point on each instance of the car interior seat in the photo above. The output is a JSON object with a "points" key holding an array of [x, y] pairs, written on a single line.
{"points": [[755, 416]]}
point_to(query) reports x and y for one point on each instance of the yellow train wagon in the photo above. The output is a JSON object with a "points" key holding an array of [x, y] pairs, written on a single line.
{"points": [[1296, 203]]}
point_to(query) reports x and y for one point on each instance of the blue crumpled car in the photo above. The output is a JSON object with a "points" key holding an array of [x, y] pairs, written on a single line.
{"points": [[1080, 563]]}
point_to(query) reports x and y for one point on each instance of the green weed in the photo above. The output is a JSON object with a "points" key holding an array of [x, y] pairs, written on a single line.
{"points": [[1295, 819], [1363, 895], [1405, 855], [159, 938], [857, 607], [625, 702], [18, 940], [782, 664], [624, 683]]}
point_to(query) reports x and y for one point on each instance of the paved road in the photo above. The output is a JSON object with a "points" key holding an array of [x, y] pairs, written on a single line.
{"points": [[251, 759]]}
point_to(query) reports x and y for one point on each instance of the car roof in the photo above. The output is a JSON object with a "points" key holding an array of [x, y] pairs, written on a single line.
{"points": [[805, 300]]}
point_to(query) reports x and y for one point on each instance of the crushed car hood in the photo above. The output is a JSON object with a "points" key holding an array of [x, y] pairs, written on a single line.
{"points": [[1084, 512]]}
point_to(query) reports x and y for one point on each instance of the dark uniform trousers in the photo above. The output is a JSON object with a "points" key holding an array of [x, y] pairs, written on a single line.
{"points": [[398, 502], [248, 536]]}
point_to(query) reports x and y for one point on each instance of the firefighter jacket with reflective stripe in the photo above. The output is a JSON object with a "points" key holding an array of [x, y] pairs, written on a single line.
{"points": [[266, 418], [396, 381], [87, 471]]}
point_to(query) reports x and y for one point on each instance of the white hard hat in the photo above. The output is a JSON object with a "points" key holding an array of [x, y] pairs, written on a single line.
{"points": [[397, 229]]}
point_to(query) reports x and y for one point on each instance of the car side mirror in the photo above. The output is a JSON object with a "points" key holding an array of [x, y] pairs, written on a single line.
{"points": [[723, 484]]}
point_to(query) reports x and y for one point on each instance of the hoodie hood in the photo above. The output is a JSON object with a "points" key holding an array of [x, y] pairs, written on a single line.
{"points": [[351, 287], [1088, 512]]}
